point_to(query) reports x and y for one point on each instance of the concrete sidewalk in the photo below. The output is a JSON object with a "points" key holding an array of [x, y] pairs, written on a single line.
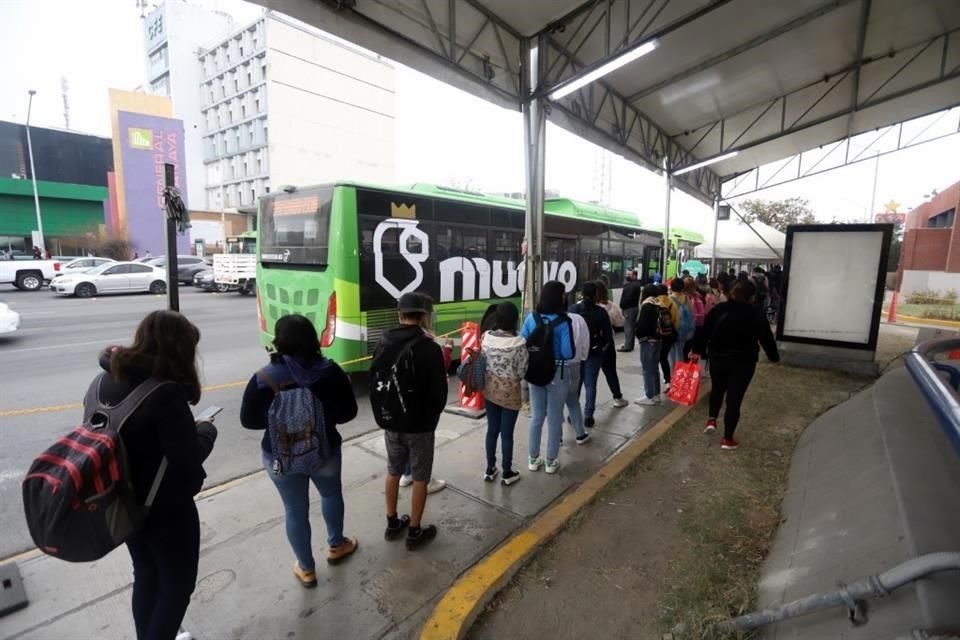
{"points": [[246, 588], [873, 483]]}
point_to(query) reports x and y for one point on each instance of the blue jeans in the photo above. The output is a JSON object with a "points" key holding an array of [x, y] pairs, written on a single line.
{"points": [[591, 375], [676, 354], [546, 403], [650, 361], [294, 490], [500, 423], [573, 399]]}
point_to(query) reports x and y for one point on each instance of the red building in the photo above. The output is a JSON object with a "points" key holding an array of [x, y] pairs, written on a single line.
{"points": [[930, 258]]}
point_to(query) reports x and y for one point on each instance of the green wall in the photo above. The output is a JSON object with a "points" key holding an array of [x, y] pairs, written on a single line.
{"points": [[67, 209]]}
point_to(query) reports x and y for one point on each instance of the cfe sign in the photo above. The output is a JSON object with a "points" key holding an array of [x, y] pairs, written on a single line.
{"points": [[154, 29]]}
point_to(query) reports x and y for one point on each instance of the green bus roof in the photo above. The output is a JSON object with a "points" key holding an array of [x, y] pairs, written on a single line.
{"points": [[564, 207]]}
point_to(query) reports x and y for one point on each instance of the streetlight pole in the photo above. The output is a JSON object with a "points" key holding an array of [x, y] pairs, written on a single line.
{"points": [[33, 172]]}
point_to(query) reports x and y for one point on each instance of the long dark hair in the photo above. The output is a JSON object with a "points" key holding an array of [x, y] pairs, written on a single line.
{"points": [[296, 336], [164, 347], [603, 294], [506, 317], [552, 298]]}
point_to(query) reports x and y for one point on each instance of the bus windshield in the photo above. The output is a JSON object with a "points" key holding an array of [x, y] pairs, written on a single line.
{"points": [[295, 227]]}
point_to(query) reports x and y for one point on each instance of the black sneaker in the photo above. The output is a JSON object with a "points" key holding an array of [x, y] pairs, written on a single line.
{"points": [[490, 474], [424, 536], [509, 477], [589, 422], [584, 439], [393, 533]]}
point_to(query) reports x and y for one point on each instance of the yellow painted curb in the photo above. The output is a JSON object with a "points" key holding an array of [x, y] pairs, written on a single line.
{"points": [[947, 324], [463, 602]]}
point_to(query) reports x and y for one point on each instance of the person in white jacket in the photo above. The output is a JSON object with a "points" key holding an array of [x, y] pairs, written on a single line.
{"points": [[506, 363]]}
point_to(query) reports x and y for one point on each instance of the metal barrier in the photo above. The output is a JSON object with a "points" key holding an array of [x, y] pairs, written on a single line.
{"points": [[943, 399]]}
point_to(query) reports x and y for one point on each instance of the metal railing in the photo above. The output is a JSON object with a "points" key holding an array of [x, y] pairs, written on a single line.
{"points": [[942, 395]]}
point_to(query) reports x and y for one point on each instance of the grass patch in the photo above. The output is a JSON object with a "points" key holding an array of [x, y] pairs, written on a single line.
{"points": [[735, 506], [936, 311]]}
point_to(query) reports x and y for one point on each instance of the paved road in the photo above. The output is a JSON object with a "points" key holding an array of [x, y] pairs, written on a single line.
{"points": [[52, 359]]}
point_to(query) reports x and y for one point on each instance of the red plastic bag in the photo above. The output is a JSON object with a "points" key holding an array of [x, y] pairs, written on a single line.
{"points": [[685, 383]]}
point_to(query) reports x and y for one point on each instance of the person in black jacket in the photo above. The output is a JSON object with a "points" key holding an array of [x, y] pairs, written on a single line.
{"points": [[630, 304], [166, 550], [298, 362], [414, 445], [648, 335], [601, 340], [732, 336]]}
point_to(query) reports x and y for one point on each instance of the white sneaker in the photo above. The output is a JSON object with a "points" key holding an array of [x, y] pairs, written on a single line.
{"points": [[436, 485], [184, 635], [406, 481], [646, 402], [534, 464], [620, 403], [552, 466]]}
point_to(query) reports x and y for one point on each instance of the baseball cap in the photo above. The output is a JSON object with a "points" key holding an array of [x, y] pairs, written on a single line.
{"points": [[411, 303]]}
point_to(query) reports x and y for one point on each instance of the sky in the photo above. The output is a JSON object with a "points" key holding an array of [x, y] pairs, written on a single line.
{"points": [[443, 135]]}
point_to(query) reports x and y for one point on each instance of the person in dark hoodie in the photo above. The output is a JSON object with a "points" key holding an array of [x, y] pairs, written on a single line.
{"points": [[601, 342], [413, 443], [650, 337], [297, 362], [166, 550], [732, 336]]}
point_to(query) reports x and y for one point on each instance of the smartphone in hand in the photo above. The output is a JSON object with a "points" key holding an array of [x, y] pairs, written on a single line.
{"points": [[208, 414]]}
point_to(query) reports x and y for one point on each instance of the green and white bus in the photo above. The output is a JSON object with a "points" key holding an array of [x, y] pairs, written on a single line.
{"points": [[342, 254]]}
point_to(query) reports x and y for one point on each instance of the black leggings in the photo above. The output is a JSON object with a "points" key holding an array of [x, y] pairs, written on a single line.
{"points": [[665, 345], [609, 368], [165, 554], [729, 378]]}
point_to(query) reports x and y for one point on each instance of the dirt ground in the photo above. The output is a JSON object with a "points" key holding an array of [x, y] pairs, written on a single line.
{"points": [[677, 541]]}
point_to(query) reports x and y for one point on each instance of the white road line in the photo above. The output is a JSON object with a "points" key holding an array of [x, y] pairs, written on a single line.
{"points": [[104, 342]]}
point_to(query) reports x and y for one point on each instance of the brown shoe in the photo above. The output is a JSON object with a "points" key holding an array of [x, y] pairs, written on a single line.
{"points": [[336, 555], [307, 578]]}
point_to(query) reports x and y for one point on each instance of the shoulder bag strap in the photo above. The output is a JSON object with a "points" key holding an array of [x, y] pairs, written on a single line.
{"points": [[268, 380]]}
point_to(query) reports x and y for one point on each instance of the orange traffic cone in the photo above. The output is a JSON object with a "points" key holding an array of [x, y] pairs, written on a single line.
{"points": [[470, 406], [892, 311]]}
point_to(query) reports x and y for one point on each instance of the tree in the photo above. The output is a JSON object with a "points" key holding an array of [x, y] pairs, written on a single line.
{"points": [[779, 214]]}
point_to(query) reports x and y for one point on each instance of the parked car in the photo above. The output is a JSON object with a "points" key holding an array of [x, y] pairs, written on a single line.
{"points": [[187, 266], [28, 275], [204, 280], [79, 265], [9, 319], [113, 277]]}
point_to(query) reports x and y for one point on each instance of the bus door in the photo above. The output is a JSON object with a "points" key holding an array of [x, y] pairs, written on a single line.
{"points": [[651, 262]]}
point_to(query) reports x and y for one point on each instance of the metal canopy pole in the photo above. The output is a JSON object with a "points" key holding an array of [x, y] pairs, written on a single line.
{"points": [[716, 229], [668, 181], [534, 143]]}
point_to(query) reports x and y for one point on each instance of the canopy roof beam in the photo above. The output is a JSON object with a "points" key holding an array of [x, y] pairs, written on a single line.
{"points": [[796, 23], [811, 112], [816, 161]]}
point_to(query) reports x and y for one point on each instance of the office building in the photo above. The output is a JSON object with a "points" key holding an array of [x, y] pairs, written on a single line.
{"points": [[174, 34], [285, 104]]}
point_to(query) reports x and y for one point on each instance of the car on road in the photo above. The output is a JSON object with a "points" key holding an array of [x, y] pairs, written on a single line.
{"points": [[187, 266], [28, 275], [9, 319], [113, 277], [205, 280], [79, 265]]}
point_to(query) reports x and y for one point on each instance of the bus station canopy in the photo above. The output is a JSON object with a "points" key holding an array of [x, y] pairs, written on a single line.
{"points": [[764, 80], [738, 241]]}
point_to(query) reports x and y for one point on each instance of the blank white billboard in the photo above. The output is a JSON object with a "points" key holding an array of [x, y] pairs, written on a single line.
{"points": [[832, 285]]}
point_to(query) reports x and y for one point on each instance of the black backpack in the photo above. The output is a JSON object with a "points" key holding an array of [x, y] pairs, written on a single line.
{"points": [[393, 385], [595, 323], [78, 499], [542, 364], [665, 328]]}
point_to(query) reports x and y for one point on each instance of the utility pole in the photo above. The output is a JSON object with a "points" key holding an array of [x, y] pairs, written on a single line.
{"points": [[65, 91], [33, 173], [173, 285]]}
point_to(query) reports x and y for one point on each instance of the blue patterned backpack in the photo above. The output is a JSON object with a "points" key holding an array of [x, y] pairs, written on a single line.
{"points": [[296, 428]]}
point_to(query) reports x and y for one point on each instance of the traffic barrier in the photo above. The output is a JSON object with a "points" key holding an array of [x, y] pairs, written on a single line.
{"points": [[470, 406], [892, 312]]}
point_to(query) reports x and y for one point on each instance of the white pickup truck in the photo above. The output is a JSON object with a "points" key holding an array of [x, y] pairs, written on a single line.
{"points": [[28, 275]]}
